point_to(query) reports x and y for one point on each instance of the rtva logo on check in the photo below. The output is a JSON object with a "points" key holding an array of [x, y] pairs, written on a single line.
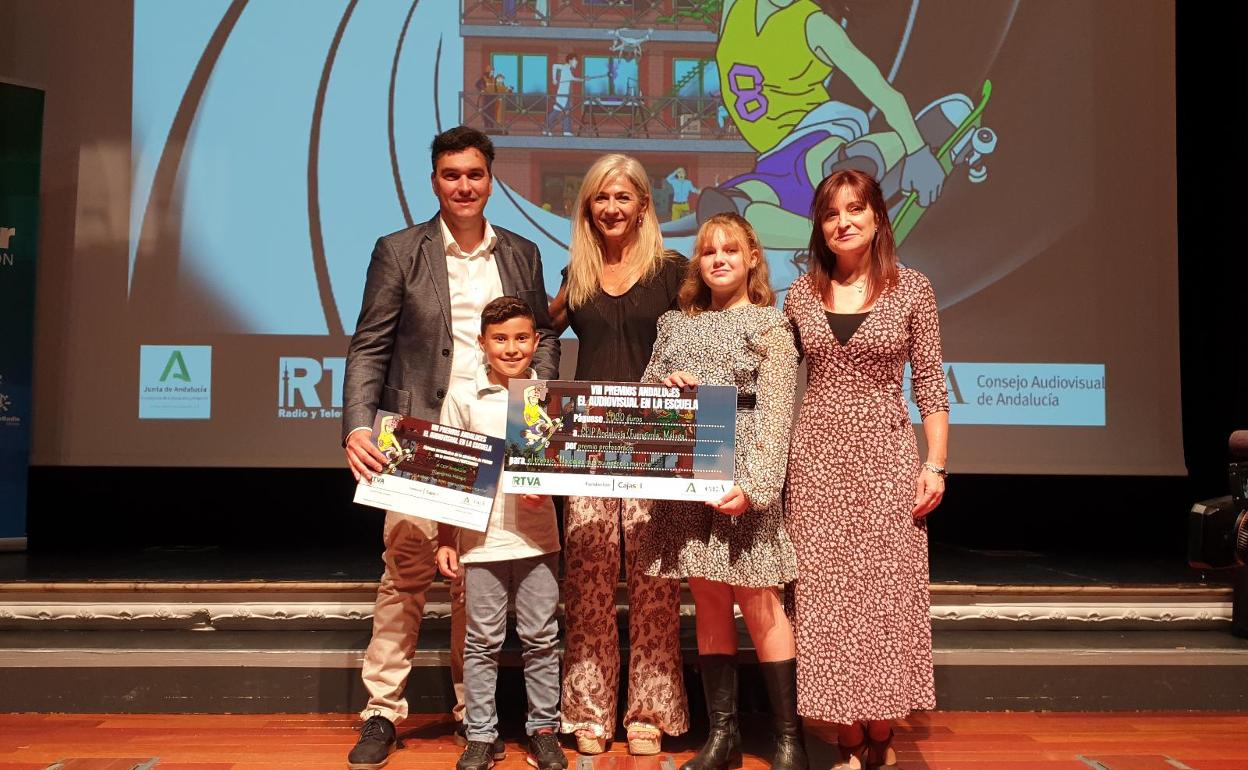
{"points": [[175, 382]]}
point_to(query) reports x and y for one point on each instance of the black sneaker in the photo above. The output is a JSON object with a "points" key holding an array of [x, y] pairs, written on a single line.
{"points": [[373, 748], [481, 755], [545, 753]]}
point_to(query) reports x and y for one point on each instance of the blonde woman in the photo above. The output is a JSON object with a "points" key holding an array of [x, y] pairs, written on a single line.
{"points": [[619, 280]]}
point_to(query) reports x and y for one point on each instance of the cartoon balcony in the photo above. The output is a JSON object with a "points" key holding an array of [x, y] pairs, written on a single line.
{"points": [[593, 14], [535, 120]]}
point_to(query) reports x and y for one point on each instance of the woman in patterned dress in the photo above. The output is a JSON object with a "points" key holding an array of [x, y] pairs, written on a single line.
{"points": [[619, 280], [857, 494], [734, 550]]}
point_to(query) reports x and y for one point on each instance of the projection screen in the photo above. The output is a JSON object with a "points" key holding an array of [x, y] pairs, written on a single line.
{"points": [[239, 160]]}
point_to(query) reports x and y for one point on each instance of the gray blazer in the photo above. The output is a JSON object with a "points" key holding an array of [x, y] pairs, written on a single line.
{"points": [[399, 359]]}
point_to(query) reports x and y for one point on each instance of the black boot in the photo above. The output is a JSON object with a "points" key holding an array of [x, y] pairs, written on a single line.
{"points": [[722, 750], [780, 679]]}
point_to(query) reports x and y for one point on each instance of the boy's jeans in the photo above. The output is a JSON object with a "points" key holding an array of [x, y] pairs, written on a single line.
{"points": [[487, 587]]}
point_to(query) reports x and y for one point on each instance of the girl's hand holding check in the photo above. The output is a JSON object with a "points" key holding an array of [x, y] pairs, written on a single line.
{"points": [[734, 503]]}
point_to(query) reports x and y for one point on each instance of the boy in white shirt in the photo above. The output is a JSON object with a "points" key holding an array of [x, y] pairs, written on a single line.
{"points": [[518, 554]]}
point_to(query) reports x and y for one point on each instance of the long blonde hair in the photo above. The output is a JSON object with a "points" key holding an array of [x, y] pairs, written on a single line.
{"points": [[695, 295], [586, 250]]}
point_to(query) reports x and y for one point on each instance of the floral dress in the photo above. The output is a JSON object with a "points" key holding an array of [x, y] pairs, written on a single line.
{"points": [[752, 348], [862, 625]]}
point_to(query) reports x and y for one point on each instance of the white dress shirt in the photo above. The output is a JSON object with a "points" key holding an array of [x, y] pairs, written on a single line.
{"points": [[474, 281], [517, 530]]}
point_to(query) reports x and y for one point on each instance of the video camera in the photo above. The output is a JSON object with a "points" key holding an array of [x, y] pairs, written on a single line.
{"points": [[1217, 532], [1217, 529]]}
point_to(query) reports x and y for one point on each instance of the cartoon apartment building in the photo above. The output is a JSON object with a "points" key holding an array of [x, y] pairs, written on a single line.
{"points": [[556, 83]]}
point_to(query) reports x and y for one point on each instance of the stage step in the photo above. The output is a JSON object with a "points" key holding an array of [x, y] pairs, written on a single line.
{"points": [[309, 671], [267, 605], [297, 647]]}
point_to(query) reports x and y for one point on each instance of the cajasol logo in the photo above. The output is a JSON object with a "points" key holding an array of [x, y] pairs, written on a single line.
{"points": [[175, 367]]}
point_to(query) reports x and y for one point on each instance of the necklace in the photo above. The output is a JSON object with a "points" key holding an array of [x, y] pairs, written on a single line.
{"points": [[860, 284]]}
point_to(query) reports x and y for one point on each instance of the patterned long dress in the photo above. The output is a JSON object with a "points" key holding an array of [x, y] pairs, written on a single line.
{"points": [[752, 348], [617, 335], [864, 638]]}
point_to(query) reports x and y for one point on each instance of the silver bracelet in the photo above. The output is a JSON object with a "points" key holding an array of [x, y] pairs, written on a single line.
{"points": [[938, 470]]}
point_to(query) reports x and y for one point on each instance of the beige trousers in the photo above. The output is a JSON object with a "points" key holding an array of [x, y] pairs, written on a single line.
{"points": [[411, 544]]}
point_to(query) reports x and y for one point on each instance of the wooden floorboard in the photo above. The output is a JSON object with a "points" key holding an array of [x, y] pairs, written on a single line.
{"points": [[934, 741]]}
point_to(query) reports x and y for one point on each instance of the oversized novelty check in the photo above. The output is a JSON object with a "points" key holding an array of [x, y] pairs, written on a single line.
{"points": [[435, 471], [620, 439]]}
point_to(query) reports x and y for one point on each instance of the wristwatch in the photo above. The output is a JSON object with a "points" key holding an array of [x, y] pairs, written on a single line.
{"points": [[937, 469]]}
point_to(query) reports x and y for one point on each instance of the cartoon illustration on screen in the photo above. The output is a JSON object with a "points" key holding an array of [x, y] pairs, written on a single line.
{"points": [[738, 105], [751, 110], [775, 93]]}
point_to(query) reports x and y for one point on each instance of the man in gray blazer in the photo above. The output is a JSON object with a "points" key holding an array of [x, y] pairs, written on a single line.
{"points": [[416, 334]]}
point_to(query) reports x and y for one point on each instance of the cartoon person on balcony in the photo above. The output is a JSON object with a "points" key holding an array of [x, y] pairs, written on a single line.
{"points": [[563, 76], [774, 93], [682, 188]]}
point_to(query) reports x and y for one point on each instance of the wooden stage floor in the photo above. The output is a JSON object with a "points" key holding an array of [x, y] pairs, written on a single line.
{"points": [[934, 741]]}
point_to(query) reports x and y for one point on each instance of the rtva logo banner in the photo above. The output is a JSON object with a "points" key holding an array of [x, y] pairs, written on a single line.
{"points": [[175, 382], [310, 388]]}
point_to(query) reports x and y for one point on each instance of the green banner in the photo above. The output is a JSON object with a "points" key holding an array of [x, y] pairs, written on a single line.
{"points": [[21, 132]]}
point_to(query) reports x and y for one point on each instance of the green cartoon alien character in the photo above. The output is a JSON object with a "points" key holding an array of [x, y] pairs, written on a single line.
{"points": [[774, 90]]}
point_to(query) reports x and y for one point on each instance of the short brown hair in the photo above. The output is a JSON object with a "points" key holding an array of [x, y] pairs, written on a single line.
{"points": [[694, 295], [504, 309], [458, 139]]}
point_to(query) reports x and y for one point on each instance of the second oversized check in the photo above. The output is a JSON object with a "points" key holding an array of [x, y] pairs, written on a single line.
{"points": [[620, 439]]}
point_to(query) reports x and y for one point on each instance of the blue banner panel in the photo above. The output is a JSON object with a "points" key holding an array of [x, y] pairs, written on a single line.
{"points": [[175, 382], [20, 136], [1022, 394]]}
